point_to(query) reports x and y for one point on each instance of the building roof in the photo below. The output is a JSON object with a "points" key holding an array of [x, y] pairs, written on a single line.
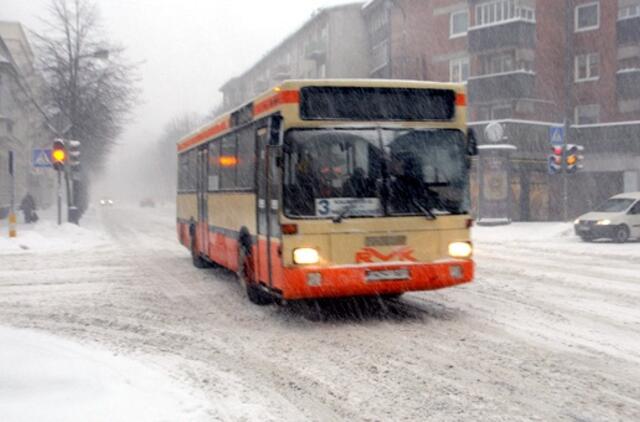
{"points": [[370, 3]]}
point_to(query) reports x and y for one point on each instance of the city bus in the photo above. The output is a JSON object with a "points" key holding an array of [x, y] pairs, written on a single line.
{"points": [[333, 188]]}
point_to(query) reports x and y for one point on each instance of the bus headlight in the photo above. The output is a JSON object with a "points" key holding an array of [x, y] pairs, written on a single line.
{"points": [[460, 249], [305, 256]]}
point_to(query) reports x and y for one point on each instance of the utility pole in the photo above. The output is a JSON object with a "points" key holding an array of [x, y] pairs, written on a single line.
{"points": [[12, 212], [565, 176], [569, 74]]}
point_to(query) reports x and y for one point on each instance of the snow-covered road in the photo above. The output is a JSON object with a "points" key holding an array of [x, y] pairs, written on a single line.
{"points": [[550, 330]]}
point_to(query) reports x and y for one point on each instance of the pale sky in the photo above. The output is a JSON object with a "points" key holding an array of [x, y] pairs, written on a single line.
{"points": [[189, 48]]}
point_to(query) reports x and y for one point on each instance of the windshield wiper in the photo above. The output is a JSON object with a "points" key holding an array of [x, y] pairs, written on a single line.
{"points": [[344, 213], [427, 212]]}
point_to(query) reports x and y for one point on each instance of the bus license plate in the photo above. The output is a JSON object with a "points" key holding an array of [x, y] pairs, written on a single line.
{"points": [[386, 275]]}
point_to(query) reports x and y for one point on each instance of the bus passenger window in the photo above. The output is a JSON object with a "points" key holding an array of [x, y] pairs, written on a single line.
{"points": [[191, 173], [246, 158], [228, 162], [214, 167]]}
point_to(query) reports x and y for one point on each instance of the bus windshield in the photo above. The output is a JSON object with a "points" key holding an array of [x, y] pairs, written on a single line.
{"points": [[336, 173]]}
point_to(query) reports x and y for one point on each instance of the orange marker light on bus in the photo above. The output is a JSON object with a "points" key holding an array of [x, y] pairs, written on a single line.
{"points": [[289, 228], [228, 161]]}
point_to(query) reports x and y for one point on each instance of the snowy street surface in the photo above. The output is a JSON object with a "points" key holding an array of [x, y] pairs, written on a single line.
{"points": [[550, 330]]}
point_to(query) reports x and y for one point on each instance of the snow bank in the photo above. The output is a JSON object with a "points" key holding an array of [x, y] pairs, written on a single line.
{"points": [[44, 378], [46, 236], [523, 231], [549, 237]]}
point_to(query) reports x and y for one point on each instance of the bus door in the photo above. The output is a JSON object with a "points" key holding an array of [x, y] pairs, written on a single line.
{"points": [[202, 193], [267, 206]]}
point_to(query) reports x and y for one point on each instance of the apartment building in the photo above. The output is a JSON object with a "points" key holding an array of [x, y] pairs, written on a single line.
{"points": [[21, 126], [530, 65], [331, 44]]}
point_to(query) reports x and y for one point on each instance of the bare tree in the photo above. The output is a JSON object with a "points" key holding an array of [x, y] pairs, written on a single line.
{"points": [[166, 149], [89, 85]]}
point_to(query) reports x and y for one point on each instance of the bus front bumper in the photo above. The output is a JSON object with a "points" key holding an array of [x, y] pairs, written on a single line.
{"points": [[359, 280]]}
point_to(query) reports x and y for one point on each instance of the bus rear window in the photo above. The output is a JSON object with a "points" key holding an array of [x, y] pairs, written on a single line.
{"points": [[360, 103]]}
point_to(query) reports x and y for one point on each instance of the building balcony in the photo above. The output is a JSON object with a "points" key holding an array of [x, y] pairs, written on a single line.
{"points": [[501, 86], [514, 33], [628, 30], [316, 51], [628, 84]]}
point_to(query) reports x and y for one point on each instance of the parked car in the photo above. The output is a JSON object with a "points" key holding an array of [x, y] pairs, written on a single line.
{"points": [[617, 219]]}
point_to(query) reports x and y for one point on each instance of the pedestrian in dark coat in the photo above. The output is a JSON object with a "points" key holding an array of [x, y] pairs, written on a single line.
{"points": [[28, 207]]}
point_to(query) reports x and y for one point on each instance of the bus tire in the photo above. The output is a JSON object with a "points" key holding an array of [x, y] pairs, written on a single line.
{"points": [[246, 275], [196, 258]]}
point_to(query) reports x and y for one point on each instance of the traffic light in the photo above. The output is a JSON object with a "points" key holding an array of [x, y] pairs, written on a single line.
{"points": [[74, 155], [58, 154], [573, 158], [556, 159]]}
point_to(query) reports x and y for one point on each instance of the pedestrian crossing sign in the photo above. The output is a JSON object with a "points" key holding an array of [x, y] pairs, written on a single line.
{"points": [[556, 136], [41, 158]]}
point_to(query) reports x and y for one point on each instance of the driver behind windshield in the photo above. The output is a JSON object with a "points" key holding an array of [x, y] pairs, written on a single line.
{"points": [[408, 189]]}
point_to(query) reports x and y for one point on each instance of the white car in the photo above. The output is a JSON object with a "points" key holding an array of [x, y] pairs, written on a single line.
{"points": [[617, 219]]}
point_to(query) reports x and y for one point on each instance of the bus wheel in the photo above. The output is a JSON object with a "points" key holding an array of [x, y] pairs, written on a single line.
{"points": [[196, 258], [246, 275]]}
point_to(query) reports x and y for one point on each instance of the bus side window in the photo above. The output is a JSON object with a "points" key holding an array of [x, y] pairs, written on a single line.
{"points": [[192, 171], [228, 162], [246, 158], [182, 172], [214, 166]]}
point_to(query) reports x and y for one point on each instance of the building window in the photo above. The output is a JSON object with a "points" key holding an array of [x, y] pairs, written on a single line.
{"points": [[459, 70], [379, 56], [628, 106], [628, 12], [322, 71], [494, 12], [629, 63], [501, 111], [459, 24], [587, 114], [587, 16], [587, 67], [491, 64]]}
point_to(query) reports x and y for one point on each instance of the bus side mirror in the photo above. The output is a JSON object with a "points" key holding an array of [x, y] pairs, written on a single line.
{"points": [[275, 125], [472, 143]]}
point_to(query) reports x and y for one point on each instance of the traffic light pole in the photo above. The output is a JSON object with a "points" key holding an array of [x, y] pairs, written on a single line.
{"points": [[59, 197], [565, 180]]}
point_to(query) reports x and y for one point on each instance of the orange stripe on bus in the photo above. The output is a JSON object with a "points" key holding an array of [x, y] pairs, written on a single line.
{"points": [[283, 97], [207, 134], [461, 100]]}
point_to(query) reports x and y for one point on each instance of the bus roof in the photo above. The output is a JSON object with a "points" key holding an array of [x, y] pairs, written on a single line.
{"points": [[287, 92]]}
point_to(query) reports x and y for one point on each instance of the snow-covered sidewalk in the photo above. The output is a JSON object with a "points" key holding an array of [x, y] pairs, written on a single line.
{"points": [[45, 378], [46, 236]]}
